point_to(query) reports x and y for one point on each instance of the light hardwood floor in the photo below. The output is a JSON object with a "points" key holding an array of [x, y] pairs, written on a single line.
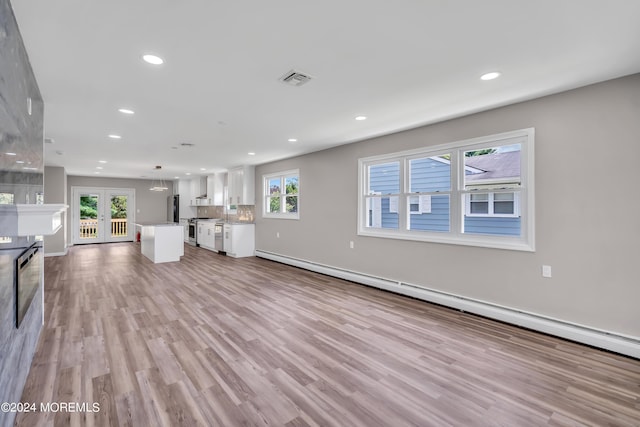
{"points": [[216, 341]]}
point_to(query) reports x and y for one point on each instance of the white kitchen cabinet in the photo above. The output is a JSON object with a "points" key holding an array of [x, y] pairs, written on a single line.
{"points": [[206, 235], [241, 186], [195, 189], [162, 242], [215, 189], [186, 199], [239, 240], [185, 224]]}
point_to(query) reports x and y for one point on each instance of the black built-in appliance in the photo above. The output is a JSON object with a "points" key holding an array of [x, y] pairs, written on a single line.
{"points": [[173, 208]]}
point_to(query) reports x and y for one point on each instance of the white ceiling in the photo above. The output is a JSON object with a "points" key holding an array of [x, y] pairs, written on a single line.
{"points": [[402, 64]]}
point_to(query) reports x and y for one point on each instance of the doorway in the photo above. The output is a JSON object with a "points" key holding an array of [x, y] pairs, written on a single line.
{"points": [[102, 215]]}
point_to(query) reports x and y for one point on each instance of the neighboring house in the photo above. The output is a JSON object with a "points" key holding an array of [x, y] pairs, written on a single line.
{"points": [[496, 212], [490, 208]]}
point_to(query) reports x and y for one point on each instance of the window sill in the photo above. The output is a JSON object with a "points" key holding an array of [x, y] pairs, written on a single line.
{"points": [[482, 241], [280, 216]]}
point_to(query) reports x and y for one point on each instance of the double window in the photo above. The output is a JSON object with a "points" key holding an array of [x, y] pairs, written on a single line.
{"points": [[492, 204], [281, 195], [474, 192]]}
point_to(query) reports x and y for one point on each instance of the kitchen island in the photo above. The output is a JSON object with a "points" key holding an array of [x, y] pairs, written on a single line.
{"points": [[162, 242]]}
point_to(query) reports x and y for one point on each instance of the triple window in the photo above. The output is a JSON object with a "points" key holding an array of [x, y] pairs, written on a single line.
{"points": [[474, 192]]}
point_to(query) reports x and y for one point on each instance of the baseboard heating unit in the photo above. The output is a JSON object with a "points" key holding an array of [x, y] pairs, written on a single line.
{"points": [[627, 345]]}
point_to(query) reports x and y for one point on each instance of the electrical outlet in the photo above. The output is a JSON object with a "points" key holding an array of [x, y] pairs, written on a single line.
{"points": [[351, 244], [277, 234], [546, 271]]}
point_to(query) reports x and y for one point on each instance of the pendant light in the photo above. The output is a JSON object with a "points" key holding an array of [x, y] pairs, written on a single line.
{"points": [[158, 184]]}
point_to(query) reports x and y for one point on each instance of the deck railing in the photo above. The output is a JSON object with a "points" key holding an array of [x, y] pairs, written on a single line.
{"points": [[119, 227], [89, 228]]}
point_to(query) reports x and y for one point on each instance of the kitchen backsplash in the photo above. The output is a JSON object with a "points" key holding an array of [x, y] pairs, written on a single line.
{"points": [[244, 213]]}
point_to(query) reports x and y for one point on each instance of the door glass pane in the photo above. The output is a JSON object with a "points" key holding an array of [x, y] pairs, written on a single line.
{"points": [[119, 216], [89, 216]]}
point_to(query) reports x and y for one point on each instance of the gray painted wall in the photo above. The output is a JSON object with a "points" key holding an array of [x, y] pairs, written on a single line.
{"points": [[20, 133], [151, 206], [587, 149], [55, 191]]}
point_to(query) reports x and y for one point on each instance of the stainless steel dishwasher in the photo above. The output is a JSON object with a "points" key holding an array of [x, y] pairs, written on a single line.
{"points": [[219, 238]]}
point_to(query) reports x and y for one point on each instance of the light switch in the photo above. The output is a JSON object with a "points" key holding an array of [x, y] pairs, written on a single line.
{"points": [[546, 271]]}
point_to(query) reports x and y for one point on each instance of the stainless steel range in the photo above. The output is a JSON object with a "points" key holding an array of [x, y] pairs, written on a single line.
{"points": [[193, 231]]}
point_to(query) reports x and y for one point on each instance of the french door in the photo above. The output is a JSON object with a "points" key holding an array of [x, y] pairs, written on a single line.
{"points": [[102, 215]]}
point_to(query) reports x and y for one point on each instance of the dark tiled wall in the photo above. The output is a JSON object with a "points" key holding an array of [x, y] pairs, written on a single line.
{"points": [[20, 133]]}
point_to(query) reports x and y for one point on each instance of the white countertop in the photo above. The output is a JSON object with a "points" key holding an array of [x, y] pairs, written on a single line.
{"points": [[158, 224]]}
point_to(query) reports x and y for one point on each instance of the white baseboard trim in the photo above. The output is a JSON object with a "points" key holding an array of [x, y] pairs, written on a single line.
{"points": [[619, 343], [56, 253]]}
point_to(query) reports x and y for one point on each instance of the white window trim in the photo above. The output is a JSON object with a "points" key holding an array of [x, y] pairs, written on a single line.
{"points": [[265, 194], [526, 207]]}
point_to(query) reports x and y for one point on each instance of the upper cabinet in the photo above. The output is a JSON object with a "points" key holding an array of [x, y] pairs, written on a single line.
{"points": [[215, 188], [198, 187], [207, 190], [241, 186]]}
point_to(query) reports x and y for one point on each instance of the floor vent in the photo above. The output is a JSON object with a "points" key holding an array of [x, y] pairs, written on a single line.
{"points": [[295, 78]]}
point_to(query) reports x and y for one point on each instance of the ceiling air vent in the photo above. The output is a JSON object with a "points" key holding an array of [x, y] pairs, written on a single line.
{"points": [[295, 78]]}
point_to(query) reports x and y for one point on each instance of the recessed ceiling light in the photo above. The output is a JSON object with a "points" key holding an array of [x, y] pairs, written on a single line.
{"points": [[114, 136], [102, 161], [292, 140], [490, 76], [176, 177], [19, 161], [27, 168], [97, 173], [99, 167], [203, 169], [188, 173], [126, 111], [152, 59], [361, 118], [11, 154], [251, 153]]}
